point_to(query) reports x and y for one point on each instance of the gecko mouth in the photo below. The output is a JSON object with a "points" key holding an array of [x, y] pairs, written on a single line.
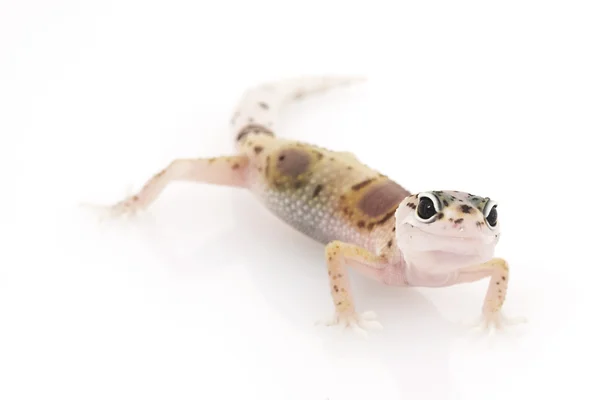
{"points": [[444, 246], [474, 239]]}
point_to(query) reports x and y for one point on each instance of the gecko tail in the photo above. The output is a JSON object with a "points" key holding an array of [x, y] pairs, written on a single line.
{"points": [[259, 107]]}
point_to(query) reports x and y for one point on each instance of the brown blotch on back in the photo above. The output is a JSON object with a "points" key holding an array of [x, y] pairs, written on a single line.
{"points": [[254, 128], [293, 162], [381, 198]]}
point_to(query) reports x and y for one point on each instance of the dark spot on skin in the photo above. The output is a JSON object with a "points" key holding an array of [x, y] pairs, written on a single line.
{"points": [[503, 278], [267, 166], [445, 203], [361, 224], [386, 217], [336, 288], [370, 226], [362, 184], [342, 197], [380, 198], [339, 303], [440, 216], [135, 198], [235, 166], [497, 283], [394, 229], [459, 221], [479, 223], [254, 128], [258, 149], [263, 105], [349, 168], [298, 184], [293, 162], [317, 190], [412, 205], [451, 219], [339, 275], [389, 244], [319, 155], [331, 159], [466, 208]]}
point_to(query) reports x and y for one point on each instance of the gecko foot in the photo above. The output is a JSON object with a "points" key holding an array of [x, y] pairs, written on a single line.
{"points": [[360, 323], [495, 321], [127, 207]]}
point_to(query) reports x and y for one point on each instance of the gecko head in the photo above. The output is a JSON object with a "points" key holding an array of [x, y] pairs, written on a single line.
{"points": [[446, 230]]}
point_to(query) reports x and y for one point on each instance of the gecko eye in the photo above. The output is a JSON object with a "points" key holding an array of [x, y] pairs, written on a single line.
{"points": [[427, 208], [491, 213]]}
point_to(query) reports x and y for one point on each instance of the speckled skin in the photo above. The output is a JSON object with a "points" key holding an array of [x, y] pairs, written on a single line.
{"points": [[365, 220]]}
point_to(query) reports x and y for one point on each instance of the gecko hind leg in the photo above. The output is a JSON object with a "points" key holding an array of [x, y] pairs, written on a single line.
{"points": [[339, 255], [225, 171]]}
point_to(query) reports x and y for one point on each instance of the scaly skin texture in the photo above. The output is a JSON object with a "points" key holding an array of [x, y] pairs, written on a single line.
{"points": [[365, 220]]}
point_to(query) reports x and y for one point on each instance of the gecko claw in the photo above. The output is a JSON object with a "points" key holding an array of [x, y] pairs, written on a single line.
{"points": [[359, 323], [494, 321]]}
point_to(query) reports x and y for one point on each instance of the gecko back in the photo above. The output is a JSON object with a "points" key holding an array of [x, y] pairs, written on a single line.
{"points": [[325, 194]]}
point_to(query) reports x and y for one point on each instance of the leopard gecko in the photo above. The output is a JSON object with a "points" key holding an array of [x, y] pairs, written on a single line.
{"points": [[365, 220]]}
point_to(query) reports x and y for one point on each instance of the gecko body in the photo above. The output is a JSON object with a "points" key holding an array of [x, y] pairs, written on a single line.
{"points": [[364, 219]]}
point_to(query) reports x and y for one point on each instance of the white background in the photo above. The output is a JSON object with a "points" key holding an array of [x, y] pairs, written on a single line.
{"points": [[210, 297]]}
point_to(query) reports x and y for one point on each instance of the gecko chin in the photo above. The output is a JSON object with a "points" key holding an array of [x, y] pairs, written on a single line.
{"points": [[443, 252]]}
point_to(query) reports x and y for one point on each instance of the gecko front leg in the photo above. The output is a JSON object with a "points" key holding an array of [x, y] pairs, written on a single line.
{"points": [[339, 255], [498, 272], [227, 171]]}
